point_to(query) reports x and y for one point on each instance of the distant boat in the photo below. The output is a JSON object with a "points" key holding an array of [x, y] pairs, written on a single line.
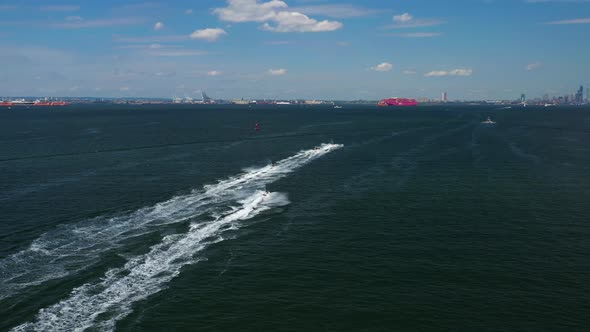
{"points": [[338, 107], [398, 102], [49, 103], [488, 121], [23, 102], [549, 105]]}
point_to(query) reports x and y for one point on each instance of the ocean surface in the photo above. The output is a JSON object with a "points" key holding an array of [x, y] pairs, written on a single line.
{"points": [[185, 218]]}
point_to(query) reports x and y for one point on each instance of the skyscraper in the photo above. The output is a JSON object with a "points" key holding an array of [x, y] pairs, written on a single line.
{"points": [[579, 98], [444, 98], [523, 98]]}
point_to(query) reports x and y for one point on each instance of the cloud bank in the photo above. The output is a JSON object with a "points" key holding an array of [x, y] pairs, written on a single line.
{"points": [[275, 16]]}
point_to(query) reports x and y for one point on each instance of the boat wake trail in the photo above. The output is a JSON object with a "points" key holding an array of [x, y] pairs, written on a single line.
{"points": [[111, 298], [73, 248]]}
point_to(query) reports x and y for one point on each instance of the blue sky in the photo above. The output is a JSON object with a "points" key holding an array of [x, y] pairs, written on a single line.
{"points": [[349, 49]]}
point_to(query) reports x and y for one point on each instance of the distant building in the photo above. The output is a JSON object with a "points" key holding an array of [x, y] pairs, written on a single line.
{"points": [[240, 102], [205, 99], [523, 98], [579, 97], [313, 102], [444, 97]]}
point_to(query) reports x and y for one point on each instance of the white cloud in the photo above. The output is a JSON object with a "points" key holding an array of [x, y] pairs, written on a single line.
{"points": [[383, 67], [277, 72], [98, 23], [572, 21], [437, 73], [176, 53], [165, 74], [406, 20], [275, 16], [124, 88], [461, 72], [336, 10], [59, 8], [249, 10], [213, 73], [154, 46], [209, 34], [403, 18], [454, 72], [278, 42], [158, 26], [74, 18], [297, 22], [532, 66], [547, 1], [150, 39], [188, 11], [416, 34]]}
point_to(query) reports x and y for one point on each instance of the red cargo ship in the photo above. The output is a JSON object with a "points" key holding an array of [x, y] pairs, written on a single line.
{"points": [[50, 103], [398, 102], [6, 103]]}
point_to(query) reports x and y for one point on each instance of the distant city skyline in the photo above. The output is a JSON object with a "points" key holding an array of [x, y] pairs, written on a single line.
{"points": [[309, 49]]}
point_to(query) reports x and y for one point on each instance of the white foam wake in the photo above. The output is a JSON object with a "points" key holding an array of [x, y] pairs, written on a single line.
{"points": [[74, 248], [144, 275]]}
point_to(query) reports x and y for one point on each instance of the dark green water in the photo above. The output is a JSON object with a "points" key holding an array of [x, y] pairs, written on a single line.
{"points": [[423, 220]]}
